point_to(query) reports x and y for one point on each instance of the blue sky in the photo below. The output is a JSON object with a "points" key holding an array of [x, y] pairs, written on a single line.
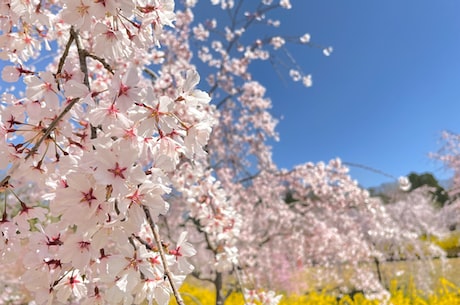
{"points": [[391, 86]]}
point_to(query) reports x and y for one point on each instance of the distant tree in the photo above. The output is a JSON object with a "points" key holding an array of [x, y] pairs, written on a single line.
{"points": [[377, 192], [440, 196]]}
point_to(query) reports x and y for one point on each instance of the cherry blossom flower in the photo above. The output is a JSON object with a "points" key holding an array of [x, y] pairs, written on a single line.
{"points": [[200, 32], [305, 38], [80, 201], [116, 167], [277, 42], [43, 88], [295, 75], [307, 80], [110, 43], [80, 14], [10, 74], [404, 183], [328, 51], [285, 4], [27, 214], [225, 4], [125, 89], [71, 285], [106, 114], [78, 250], [183, 250]]}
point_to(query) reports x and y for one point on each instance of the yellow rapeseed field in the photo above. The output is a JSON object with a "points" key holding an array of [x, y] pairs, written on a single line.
{"points": [[403, 291], [447, 294]]}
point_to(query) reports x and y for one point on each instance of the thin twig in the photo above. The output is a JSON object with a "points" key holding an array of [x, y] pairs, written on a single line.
{"points": [[151, 73], [99, 59], [168, 273], [197, 275], [52, 126], [45, 135], [240, 283], [371, 169], [64, 56], [249, 178]]}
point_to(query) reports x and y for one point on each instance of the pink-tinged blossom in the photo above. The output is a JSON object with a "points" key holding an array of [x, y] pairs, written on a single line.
{"points": [[78, 250], [126, 90], [224, 4], [156, 116], [79, 13], [261, 297], [70, 71], [307, 80], [227, 259], [92, 150], [94, 298], [286, 4], [277, 42], [167, 152], [115, 165], [21, 46], [75, 89], [10, 74], [200, 32], [29, 213], [158, 15], [80, 201], [43, 88], [71, 285], [327, 51], [112, 7], [42, 271], [8, 230], [148, 194], [110, 43], [47, 241], [196, 138], [189, 92], [295, 75], [127, 278], [404, 183], [305, 38], [107, 114], [183, 250], [154, 290]]}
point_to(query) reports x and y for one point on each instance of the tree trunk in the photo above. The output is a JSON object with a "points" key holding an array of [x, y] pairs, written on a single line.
{"points": [[379, 273], [219, 293]]}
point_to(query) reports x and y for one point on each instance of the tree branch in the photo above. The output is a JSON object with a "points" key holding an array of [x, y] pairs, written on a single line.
{"points": [[81, 56], [198, 276], [52, 126], [63, 57], [156, 235], [99, 59]]}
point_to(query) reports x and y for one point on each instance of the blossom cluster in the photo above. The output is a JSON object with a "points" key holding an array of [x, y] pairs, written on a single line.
{"points": [[116, 27], [97, 143]]}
